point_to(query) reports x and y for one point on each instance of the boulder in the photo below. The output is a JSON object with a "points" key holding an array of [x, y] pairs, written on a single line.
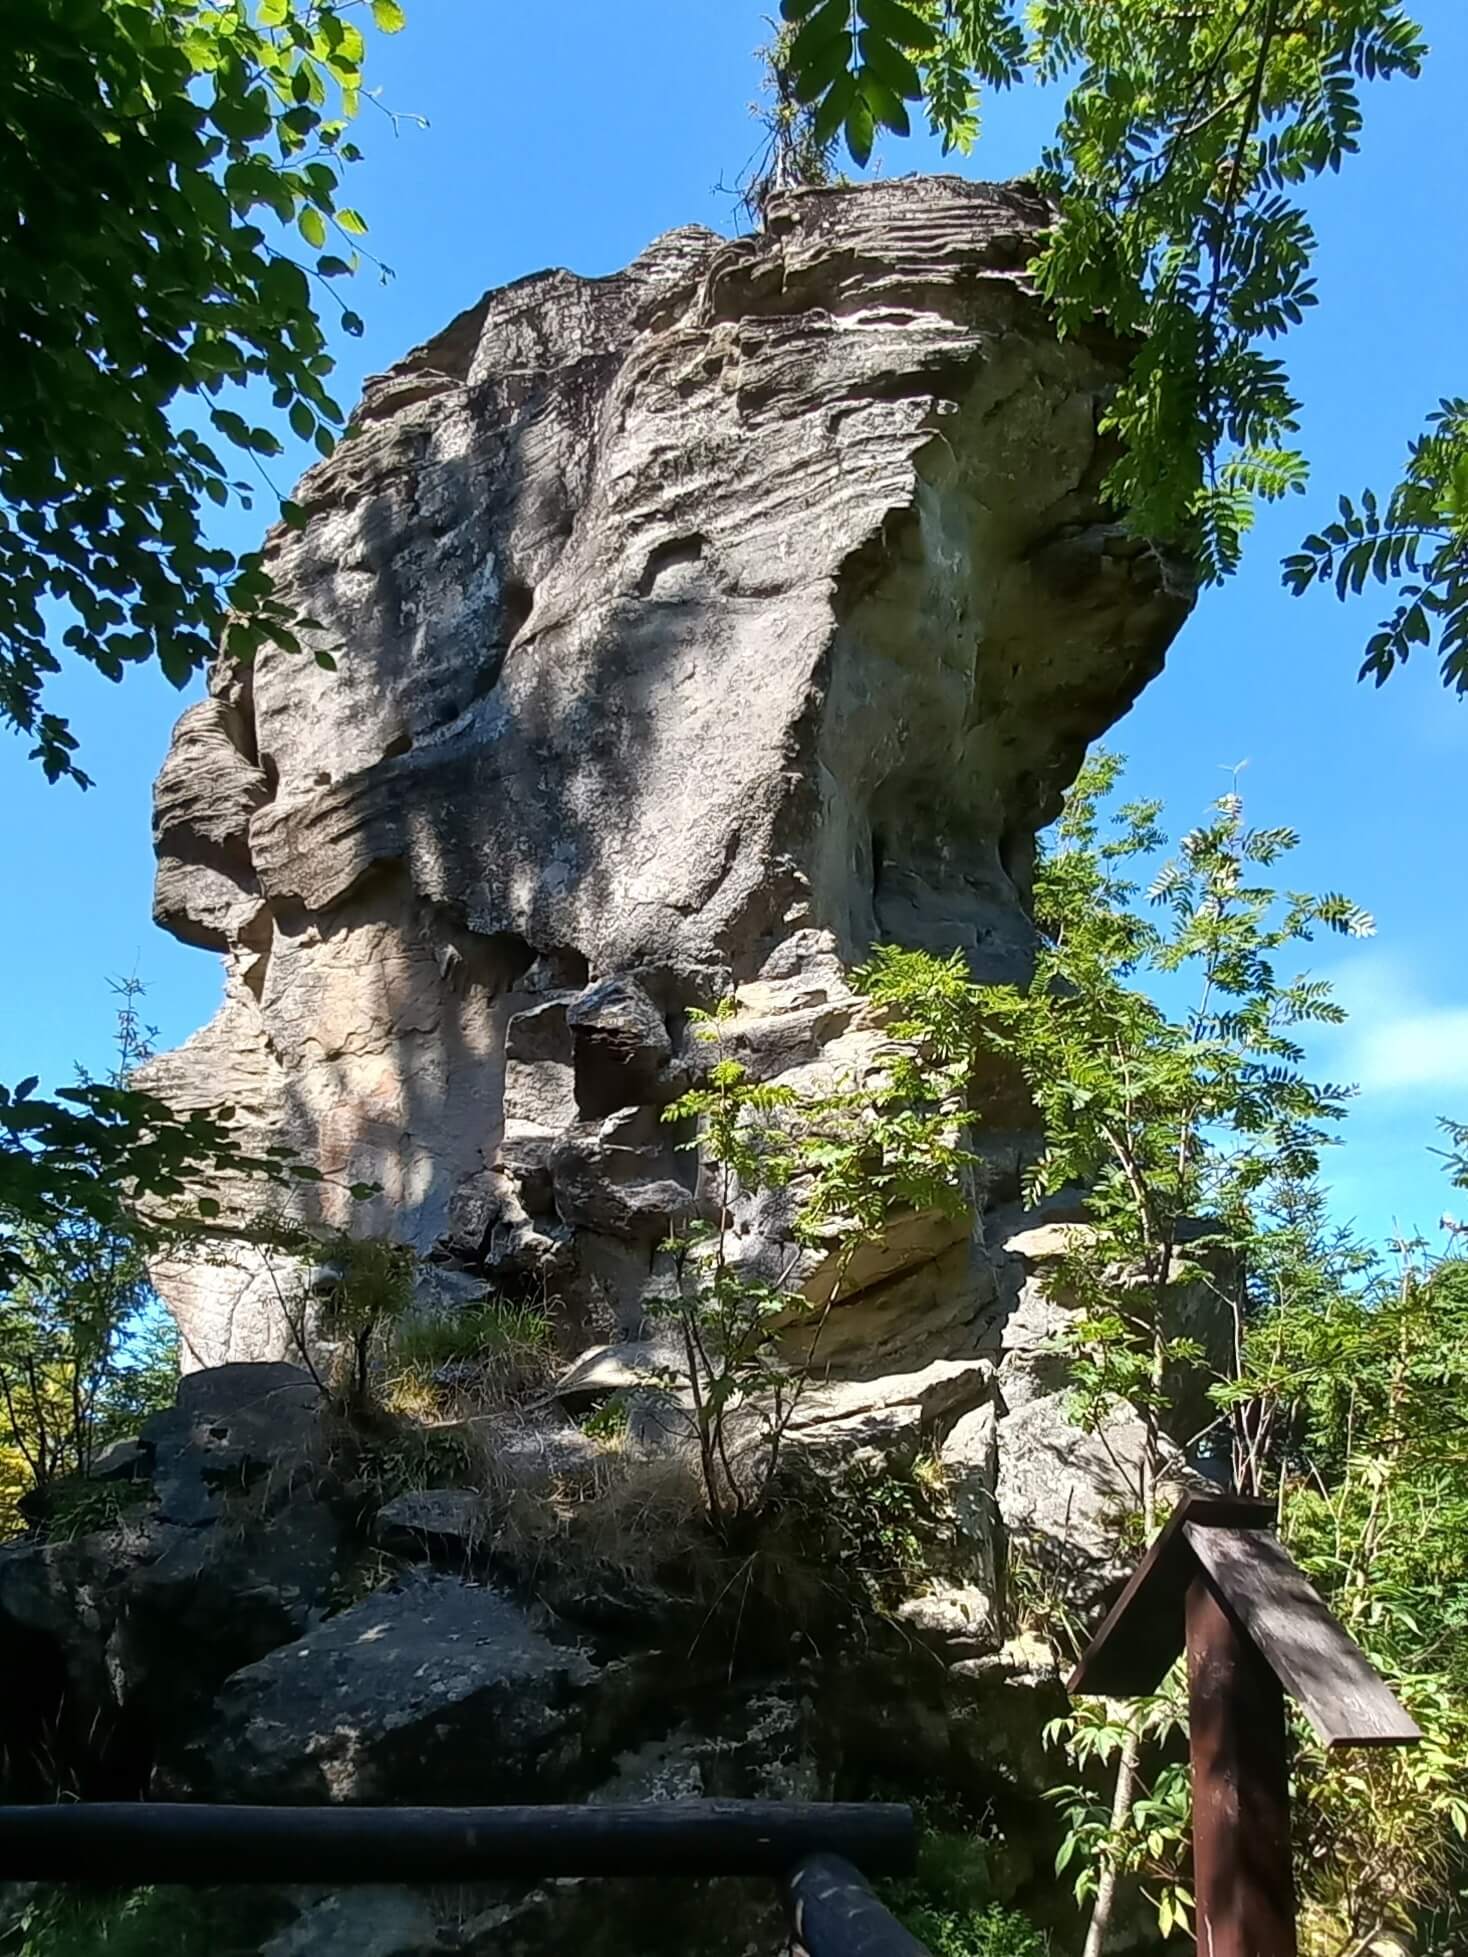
{"points": [[230, 1425], [238, 1543], [607, 1369], [448, 1523], [897, 1415], [630, 1193], [367, 1922], [439, 1691]]}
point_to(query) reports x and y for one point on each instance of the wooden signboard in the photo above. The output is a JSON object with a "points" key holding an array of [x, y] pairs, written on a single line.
{"points": [[1218, 1584]]}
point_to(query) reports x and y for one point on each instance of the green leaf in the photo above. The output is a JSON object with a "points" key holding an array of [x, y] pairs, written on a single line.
{"points": [[352, 222], [892, 65], [312, 226], [829, 62], [388, 16], [303, 422], [899, 24], [325, 661], [292, 514], [831, 114], [860, 130], [885, 106], [825, 24]]}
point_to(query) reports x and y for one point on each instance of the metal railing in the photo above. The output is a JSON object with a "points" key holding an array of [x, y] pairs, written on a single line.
{"points": [[814, 1851]]}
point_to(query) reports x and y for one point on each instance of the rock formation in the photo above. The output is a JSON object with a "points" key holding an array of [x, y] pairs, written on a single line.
{"points": [[695, 628]]}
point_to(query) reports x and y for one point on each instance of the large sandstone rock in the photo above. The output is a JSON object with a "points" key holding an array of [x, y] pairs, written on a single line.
{"points": [[234, 1535], [438, 1691], [697, 625]]}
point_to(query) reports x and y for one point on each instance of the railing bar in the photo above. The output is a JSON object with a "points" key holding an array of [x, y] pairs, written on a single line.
{"points": [[833, 1913], [138, 1842]]}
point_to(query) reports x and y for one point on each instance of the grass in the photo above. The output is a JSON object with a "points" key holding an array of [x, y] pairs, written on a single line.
{"points": [[949, 1904], [497, 1353], [167, 1922]]}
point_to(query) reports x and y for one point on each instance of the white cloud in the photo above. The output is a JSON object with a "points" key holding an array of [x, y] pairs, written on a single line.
{"points": [[1413, 1049], [1397, 1041]]}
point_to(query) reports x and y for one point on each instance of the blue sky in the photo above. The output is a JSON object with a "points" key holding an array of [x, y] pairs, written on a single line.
{"points": [[573, 135]]}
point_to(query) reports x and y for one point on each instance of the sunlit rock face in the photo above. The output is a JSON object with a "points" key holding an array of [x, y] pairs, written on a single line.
{"points": [[696, 627]]}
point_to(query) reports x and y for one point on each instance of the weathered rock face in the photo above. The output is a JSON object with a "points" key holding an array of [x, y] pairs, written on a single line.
{"points": [[696, 627]]}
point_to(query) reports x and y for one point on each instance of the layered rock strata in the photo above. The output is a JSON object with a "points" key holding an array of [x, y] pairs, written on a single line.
{"points": [[695, 628]]}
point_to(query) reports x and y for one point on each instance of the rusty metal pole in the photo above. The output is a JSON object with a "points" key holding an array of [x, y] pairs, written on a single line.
{"points": [[1242, 1879]]}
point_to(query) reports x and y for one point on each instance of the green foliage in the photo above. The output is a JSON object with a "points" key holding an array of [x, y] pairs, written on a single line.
{"points": [[494, 1328], [1146, 1835], [78, 1922], [365, 1286], [1418, 545], [109, 1156], [166, 162], [1456, 1155], [84, 1354], [1360, 1386], [1161, 1120], [993, 1931], [852, 1157], [608, 1422], [1164, 1120], [883, 1522], [1183, 141], [1344, 1395], [948, 1904], [792, 154]]}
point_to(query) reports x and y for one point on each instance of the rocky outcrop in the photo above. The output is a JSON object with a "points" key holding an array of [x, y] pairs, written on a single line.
{"points": [[232, 1657], [695, 627], [436, 1691], [231, 1536]]}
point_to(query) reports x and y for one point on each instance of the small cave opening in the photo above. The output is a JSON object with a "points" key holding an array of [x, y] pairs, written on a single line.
{"points": [[495, 960], [665, 561], [560, 968], [50, 1743], [879, 859], [517, 601]]}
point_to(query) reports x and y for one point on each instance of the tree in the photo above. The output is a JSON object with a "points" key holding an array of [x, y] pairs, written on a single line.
{"points": [[1173, 1127], [80, 1361], [1361, 1387], [1198, 1138], [1184, 136], [850, 1157], [169, 210], [169, 213]]}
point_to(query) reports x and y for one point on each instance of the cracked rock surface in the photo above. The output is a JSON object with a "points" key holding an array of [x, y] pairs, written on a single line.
{"points": [[696, 627]]}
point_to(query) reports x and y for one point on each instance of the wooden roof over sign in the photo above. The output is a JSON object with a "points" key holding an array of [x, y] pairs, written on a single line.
{"points": [[1228, 1540]]}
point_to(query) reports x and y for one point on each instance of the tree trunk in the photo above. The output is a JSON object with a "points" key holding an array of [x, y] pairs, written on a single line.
{"points": [[1121, 1802]]}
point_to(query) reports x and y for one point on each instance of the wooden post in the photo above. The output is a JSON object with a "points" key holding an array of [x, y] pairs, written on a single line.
{"points": [[1242, 1880], [1218, 1583]]}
